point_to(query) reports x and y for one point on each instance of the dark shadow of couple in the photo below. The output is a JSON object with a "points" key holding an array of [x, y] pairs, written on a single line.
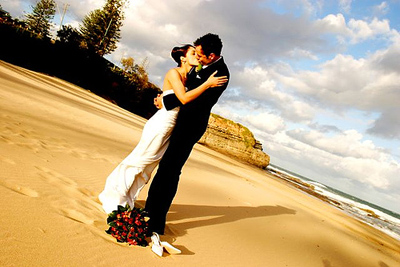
{"points": [[182, 217]]}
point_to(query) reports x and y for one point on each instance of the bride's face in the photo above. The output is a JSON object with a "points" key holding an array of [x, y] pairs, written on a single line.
{"points": [[191, 57]]}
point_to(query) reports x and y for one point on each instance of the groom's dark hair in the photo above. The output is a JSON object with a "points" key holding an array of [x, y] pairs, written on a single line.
{"points": [[210, 43]]}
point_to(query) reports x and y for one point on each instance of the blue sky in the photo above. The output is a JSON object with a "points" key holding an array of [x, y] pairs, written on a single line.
{"points": [[318, 82]]}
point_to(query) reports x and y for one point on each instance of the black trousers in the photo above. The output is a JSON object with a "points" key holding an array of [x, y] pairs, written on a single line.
{"points": [[165, 183]]}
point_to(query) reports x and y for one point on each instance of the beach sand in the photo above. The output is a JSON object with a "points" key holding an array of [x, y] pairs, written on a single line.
{"points": [[58, 144]]}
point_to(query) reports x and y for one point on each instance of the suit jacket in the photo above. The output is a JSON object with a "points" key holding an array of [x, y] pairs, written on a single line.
{"points": [[195, 114]]}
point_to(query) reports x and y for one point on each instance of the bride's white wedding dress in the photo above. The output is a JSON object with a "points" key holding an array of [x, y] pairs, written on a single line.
{"points": [[124, 184]]}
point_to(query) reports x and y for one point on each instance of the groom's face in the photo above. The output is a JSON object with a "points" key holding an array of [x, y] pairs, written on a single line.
{"points": [[203, 59]]}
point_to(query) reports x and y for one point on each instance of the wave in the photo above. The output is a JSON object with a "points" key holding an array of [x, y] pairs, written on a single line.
{"points": [[380, 218]]}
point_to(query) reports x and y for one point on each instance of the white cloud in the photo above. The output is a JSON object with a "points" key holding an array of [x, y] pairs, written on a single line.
{"points": [[334, 23], [356, 31], [259, 84], [361, 30], [15, 7], [171, 29], [346, 144], [369, 84], [345, 5], [265, 122], [344, 82], [386, 60], [381, 9], [298, 54], [387, 125], [345, 156]]}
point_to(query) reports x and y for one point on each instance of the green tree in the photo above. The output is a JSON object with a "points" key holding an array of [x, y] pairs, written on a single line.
{"points": [[4, 15], [69, 35], [39, 20], [101, 27], [136, 74]]}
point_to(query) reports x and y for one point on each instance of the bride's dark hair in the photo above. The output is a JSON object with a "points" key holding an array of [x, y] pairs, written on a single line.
{"points": [[178, 52]]}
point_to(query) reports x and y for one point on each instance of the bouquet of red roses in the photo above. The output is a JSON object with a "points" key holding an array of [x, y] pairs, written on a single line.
{"points": [[129, 225]]}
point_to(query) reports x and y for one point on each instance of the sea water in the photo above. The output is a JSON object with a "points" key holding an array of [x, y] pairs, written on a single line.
{"points": [[380, 218]]}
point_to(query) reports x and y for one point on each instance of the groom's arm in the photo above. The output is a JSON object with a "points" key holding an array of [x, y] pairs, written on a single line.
{"points": [[211, 96], [171, 101]]}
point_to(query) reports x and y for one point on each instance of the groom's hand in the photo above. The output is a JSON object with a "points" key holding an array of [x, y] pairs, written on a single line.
{"points": [[158, 101]]}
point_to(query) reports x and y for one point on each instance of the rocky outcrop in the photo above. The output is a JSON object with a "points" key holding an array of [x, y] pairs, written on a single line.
{"points": [[235, 140]]}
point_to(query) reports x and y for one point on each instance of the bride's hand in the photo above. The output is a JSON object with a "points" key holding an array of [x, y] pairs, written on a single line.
{"points": [[213, 81]]}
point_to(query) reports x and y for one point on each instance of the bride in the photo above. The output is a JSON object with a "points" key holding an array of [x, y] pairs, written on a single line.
{"points": [[124, 184]]}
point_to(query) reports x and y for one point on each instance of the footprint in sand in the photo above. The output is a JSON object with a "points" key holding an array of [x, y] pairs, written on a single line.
{"points": [[69, 187], [6, 140], [54, 177], [76, 216], [81, 201], [20, 189], [7, 160]]}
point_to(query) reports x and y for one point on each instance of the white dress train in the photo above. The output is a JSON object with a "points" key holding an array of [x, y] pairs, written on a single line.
{"points": [[124, 184]]}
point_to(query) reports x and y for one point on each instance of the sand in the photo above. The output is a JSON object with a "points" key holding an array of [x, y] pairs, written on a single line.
{"points": [[58, 144]]}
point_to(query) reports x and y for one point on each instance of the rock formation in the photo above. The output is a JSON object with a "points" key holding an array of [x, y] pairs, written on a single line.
{"points": [[234, 139]]}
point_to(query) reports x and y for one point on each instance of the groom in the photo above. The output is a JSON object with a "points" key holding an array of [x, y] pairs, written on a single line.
{"points": [[190, 126]]}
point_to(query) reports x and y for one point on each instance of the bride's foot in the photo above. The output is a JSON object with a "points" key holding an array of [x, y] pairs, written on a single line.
{"points": [[158, 246], [170, 248]]}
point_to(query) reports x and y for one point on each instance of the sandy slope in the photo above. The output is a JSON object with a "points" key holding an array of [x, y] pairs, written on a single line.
{"points": [[58, 143]]}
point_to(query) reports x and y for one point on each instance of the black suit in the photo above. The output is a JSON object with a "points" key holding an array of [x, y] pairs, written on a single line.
{"points": [[190, 126]]}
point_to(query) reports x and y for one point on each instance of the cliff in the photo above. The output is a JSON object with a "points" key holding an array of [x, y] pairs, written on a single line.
{"points": [[234, 139]]}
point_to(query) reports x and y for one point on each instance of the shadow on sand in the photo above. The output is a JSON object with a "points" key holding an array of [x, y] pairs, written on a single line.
{"points": [[183, 217]]}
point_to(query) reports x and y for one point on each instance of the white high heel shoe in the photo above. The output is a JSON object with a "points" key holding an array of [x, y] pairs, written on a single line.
{"points": [[170, 248], [158, 246]]}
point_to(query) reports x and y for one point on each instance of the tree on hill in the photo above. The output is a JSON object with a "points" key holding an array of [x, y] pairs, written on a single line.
{"points": [[5, 18], [101, 28], [69, 35], [39, 20], [135, 73], [4, 15]]}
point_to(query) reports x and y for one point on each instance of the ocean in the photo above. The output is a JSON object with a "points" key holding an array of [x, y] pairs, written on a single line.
{"points": [[380, 218]]}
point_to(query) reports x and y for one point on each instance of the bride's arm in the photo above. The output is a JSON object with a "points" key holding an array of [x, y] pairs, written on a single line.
{"points": [[177, 85]]}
